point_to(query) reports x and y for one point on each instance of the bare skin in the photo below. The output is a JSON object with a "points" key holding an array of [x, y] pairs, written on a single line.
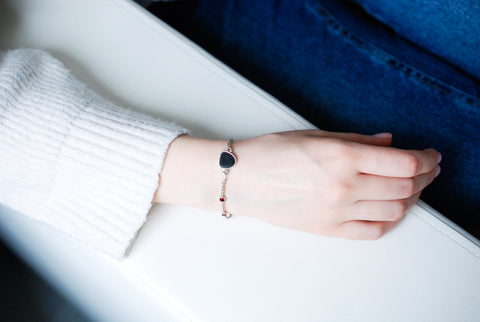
{"points": [[334, 184]]}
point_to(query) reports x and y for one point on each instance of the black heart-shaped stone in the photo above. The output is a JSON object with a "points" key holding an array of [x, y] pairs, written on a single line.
{"points": [[227, 160]]}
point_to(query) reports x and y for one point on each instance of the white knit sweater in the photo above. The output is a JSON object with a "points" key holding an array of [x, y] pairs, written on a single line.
{"points": [[72, 159]]}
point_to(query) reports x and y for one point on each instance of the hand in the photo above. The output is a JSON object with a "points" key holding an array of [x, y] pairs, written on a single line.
{"points": [[333, 184]]}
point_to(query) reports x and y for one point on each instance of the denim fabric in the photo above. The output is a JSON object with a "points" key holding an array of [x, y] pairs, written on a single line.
{"points": [[344, 70], [449, 29]]}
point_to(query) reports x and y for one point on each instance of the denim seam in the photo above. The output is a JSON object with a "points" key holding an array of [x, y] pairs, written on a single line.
{"points": [[387, 58]]}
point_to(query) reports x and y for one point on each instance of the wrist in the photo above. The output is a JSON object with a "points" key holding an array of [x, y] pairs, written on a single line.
{"points": [[191, 175]]}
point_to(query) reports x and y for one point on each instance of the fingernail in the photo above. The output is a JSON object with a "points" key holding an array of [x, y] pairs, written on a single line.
{"points": [[437, 171], [439, 157], [382, 135]]}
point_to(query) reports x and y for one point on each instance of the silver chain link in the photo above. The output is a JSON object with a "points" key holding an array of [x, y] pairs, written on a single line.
{"points": [[223, 197]]}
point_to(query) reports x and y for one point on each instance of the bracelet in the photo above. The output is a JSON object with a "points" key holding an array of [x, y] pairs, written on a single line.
{"points": [[227, 161]]}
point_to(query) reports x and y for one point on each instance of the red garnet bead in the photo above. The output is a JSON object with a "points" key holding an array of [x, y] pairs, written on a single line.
{"points": [[222, 199], [224, 215]]}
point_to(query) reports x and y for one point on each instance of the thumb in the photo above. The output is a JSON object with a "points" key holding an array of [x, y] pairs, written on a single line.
{"points": [[380, 139]]}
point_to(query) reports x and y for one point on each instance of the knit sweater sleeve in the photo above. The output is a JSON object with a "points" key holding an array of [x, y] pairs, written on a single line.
{"points": [[72, 159]]}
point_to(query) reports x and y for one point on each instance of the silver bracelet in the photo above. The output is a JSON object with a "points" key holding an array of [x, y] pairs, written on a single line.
{"points": [[227, 161]]}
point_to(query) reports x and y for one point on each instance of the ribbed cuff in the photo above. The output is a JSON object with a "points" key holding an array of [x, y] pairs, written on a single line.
{"points": [[111, 161], [73, 159]]}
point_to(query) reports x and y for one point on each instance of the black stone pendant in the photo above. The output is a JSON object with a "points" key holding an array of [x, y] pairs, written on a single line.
{"points": [[227, 160]]}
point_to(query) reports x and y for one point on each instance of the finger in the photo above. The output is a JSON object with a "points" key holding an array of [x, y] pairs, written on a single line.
{"points": [[380, 139], [392, 162], [365, 230], [371, 187], [381, 210]]}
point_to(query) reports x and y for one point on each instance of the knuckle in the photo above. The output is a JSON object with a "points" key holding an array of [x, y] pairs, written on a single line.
{"points": [[337, 147], [340, 154], [399, 208], [406, 187], [411, 164], [334, 217], [339, 192]]}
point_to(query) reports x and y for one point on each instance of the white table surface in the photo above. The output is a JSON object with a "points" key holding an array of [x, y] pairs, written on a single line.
{"points": [[193, 265]]}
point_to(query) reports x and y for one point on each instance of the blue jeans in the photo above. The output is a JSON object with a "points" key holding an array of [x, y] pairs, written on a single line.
{"points": [[346, 69]]}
